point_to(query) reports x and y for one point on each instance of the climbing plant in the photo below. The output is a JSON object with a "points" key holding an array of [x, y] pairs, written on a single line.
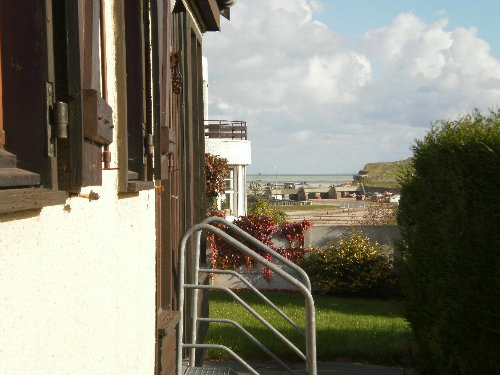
{"points": [[215, 174]]}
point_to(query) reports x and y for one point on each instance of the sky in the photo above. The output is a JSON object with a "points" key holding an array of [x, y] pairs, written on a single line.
{"points": [[327, 86]]}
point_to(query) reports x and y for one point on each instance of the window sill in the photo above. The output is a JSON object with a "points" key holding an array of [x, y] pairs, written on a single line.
{"points": [[13, 200], [137, 186]]}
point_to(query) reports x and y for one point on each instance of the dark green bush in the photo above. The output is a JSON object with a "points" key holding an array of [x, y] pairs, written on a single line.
{"points": [[449, 216], [264, 207], [356, 267]]}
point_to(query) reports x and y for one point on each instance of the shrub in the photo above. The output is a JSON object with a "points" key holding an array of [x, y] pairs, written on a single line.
{"points": [[449, 216], [355, 267], [263, 207], [225, 256], [380, 213], [294, 233]]}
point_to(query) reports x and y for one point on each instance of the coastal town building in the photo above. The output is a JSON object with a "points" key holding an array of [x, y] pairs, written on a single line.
{"points": [[229, 140], [307, 193], [101, 171]]}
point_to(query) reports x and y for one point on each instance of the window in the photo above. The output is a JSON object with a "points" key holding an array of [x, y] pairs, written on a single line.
{"points": [[56, 122], [149, 139], [228, 200]]}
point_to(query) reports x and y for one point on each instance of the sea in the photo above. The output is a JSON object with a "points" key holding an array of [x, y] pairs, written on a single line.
{"points": [[313, 180]]}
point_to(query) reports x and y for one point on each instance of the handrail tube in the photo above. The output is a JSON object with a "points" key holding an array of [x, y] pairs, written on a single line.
{"points": [[194, 307], [310, 311], [267, 249], [256, 291], [251, 337], [222, 347], [251, 311]]}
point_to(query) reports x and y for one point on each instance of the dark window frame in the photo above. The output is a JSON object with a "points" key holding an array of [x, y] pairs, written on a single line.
{"points": [[61, 166]]}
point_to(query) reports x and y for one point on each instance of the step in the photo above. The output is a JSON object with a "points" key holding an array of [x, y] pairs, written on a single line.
{"points": [[209, 371]]}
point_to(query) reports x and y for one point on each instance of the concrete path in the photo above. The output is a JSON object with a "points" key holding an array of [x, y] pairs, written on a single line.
{"points": [[324, 368]]}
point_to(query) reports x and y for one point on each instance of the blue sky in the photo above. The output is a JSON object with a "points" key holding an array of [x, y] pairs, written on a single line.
{"points": [[353, 17], [327, 86]]}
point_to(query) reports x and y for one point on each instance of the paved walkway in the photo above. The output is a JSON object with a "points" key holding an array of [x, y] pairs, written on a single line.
{"points": [[324, 368]]}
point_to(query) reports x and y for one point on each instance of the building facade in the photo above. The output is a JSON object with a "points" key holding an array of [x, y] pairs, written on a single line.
{"points": [[101, 171], [228, 139]]}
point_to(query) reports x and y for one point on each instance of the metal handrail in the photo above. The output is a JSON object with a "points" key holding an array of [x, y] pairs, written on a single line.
{"points": [[251, 337], [257, 292], [254, 241], [226, 129], [251, 311], [310, 356]]}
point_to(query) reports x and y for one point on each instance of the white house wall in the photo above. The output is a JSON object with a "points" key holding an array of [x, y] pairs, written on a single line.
{"points": [[235, 151], [78, 280], [242, 193], [78, 286]]}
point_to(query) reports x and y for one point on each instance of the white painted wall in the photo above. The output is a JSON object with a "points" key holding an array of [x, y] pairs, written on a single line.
{"points": [[238, 154], [242, 190], [77, 281], [78, 286], [204, 65], [234, 150]]}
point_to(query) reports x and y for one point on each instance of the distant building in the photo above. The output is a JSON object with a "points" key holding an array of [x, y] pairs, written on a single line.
{"points": [[279, 193], [346, 191], [228, 139], [306, 193]]}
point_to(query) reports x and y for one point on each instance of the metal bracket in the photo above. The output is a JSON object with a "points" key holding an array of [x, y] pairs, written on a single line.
{"points": [[61, 120]]}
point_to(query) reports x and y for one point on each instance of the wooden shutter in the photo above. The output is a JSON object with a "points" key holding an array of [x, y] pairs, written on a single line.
{"points": [[164, 134], [90, 117], [136, 30]]}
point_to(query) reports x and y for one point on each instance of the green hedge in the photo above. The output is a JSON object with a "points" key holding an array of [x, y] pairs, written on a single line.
{"points": [[449, 216]]}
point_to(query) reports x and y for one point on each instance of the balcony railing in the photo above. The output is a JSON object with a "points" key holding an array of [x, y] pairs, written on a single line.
{"points": [[226, 129]]}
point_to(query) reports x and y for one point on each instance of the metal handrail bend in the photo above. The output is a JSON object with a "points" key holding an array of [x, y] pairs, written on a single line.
{"points": [[305, 290]]}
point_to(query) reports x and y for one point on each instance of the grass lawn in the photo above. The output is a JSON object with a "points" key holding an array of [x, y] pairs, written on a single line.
{"points": [[312, 207], [355, 329]]}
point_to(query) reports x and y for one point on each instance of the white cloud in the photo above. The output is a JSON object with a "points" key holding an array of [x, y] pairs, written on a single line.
{"points": [[301, 87]]}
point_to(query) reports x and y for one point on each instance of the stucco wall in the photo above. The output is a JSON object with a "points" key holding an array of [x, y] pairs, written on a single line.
{"points": [[78, 286], [235, 151]]}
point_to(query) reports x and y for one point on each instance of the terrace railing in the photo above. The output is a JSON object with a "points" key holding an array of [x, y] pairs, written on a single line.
{"points": [[226, 129], [302, 284]]}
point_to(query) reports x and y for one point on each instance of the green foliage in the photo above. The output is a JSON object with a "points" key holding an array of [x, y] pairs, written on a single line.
{"points": [[215, 174], [383, 174], [225, 256], [449, 216], [356, 266], [263, 207]]}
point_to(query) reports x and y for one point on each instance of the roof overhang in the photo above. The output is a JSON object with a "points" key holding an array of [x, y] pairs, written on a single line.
{"points": [[208, 12]]}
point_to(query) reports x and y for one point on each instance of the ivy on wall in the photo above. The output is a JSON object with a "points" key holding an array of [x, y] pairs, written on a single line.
{"points": [[215, 173]]}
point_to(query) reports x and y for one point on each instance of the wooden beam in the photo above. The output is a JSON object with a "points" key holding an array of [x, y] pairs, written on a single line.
{"points": [[30, 199]]}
